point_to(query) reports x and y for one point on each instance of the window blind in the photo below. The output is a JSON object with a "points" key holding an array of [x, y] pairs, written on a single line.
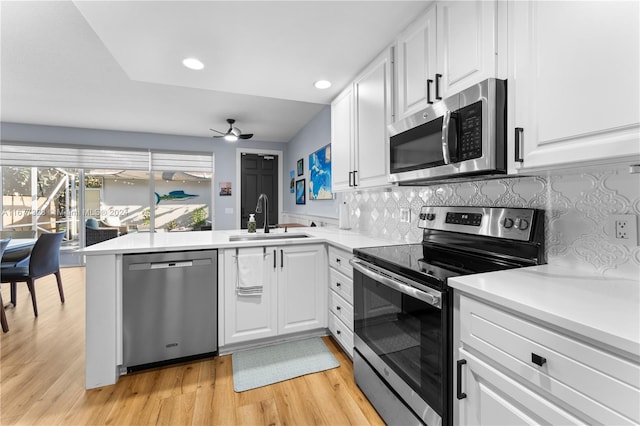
{"points": [[72, 157], [25, 155]]}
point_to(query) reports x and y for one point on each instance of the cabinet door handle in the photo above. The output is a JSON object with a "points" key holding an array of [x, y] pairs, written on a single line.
{"points": [[538, 360], [338, 284], [350, 178], [338, 307], [281, 259], [338, 260], [459, 394], [429, 82], [338, 332], [355, 178], [438, 77], [519, 148], [274, 259]]}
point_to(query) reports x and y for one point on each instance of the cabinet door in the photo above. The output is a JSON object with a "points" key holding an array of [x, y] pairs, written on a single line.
{"points": [[253, 316], [342, 140], [416, 63], [373, 114], [573, 83], [467, 43], [492, 398], [302, 288]]}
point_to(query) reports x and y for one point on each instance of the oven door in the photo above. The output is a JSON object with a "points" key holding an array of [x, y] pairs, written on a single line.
{"points": [[401, 330]]}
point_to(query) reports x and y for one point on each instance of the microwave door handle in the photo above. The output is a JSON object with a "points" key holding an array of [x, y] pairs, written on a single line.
{"points": [[445, 137]]}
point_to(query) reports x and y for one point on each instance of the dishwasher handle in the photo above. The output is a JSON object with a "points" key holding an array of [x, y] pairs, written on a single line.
{"points": [[160, 265]]}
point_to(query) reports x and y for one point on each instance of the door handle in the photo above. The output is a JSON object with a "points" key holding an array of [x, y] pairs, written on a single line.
{"points": [[519, 148], [438, 77], [538, 360], [445, 137], [281, 259], [459, 394], [429, 82], [274, 259]]}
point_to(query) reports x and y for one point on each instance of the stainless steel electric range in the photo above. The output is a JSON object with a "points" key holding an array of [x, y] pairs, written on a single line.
{"points": [[403, 306]]}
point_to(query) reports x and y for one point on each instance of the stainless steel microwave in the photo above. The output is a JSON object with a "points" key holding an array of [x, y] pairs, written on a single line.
{"points": [[460, 136]]}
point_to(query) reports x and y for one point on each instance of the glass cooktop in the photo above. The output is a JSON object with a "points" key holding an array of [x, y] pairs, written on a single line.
{"points": [[429, 265]]}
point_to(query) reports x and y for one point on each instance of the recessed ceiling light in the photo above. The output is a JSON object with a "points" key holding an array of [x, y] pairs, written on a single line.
{"points": [[322, 84], [193, 63]]}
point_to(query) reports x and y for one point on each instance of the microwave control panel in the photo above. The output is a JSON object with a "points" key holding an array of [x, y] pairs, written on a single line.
{"points": [[470, 131]]}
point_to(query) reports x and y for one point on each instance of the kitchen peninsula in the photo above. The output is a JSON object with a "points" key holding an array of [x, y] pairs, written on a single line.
{"points": [[104, 281]]}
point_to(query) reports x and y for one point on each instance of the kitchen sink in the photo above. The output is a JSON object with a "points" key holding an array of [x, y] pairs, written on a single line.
{"points": [[258, 237]]}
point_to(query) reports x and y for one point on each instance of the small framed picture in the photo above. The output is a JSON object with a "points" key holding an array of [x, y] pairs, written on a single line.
{"points": [[300, 191], [300, 166]]}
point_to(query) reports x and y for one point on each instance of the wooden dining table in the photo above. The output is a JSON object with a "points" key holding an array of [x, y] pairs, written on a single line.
{"points": [[14, 245]]}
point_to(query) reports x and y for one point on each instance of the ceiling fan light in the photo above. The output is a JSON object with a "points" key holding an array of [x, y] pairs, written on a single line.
{"points": [[193, 64], [230, 137], [322, 84]]}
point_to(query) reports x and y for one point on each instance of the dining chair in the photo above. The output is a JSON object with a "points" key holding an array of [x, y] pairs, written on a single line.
{"points": [[45, 260], [3, 317], [18, 257]]}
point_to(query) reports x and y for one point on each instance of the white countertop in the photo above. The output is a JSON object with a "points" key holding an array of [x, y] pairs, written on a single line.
{"points": [[602, 309], [197, 240]]}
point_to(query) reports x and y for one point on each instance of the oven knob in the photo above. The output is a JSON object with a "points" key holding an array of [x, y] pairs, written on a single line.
{"points": [[431, 216], [523, 224], [508, 223]]}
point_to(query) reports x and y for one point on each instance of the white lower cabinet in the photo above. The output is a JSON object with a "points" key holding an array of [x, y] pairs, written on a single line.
{"points": [[293, 297], [341, 298], [515, 370]]}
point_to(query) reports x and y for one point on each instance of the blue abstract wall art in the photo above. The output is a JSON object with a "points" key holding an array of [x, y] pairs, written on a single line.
{"points": [[320, 174]]}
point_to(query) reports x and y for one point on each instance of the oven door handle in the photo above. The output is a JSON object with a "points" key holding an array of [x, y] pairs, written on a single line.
{"points": [[363, 268]]}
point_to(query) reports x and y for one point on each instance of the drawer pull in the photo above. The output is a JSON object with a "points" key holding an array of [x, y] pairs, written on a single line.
{"points": [[538, 360], [338, 284], [338, 332], [338, 260], [338, 307], [460, 363]]}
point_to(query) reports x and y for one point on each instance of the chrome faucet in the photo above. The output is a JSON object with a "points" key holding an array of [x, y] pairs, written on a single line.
{"points": [[265, 200]]}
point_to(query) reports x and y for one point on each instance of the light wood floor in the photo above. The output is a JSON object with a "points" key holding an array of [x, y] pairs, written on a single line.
{"points": [[42, 379]]}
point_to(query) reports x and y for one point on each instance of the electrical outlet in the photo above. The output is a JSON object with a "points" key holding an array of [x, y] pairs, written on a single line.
{"points": [[624, 229], [405, 215]]}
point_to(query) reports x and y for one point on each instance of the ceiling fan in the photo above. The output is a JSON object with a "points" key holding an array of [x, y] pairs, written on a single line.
{"points": [[233, 134]]}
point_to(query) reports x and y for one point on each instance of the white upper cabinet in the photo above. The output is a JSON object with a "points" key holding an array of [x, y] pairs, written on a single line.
{"points": [[573, 85], [359, 119], [342, 140], [454, 45], [416, 64]]}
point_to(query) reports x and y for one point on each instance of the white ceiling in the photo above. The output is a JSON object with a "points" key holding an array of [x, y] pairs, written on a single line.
{"points": [[117, 64]]}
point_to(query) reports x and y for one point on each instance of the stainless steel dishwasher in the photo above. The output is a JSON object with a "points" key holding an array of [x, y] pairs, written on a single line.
{"points": [[170, 305]]}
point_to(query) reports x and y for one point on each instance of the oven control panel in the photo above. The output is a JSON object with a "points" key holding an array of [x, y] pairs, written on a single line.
{"points": [[511, 223]]}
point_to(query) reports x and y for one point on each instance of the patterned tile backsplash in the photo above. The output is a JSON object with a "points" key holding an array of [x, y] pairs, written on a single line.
{"points": [[578, 210]]}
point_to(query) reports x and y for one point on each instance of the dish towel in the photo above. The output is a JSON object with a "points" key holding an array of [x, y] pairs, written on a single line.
{"points": [[249, 277]]}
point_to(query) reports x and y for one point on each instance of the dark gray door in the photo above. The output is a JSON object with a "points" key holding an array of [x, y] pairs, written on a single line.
{"points": [[259, 173]]}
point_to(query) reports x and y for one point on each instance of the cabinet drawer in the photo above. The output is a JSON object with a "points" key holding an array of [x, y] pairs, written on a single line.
{"points": [[601, 385], [342, 334], [341, 308], [341, 285], [339, 260]]}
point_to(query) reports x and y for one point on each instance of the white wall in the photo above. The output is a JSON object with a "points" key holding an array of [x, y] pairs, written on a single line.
{"points": [[313, 136]]}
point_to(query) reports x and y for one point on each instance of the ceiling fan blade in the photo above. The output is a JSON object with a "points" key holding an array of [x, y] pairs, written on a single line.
{"points": [[214, 130], [246, 136]]}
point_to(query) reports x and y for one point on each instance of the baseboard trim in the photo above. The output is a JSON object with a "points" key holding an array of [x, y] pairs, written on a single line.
{"points": [[268, 341]]}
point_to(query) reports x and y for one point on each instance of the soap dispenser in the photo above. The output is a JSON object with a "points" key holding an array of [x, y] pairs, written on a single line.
{"points": [[252, 223]]}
